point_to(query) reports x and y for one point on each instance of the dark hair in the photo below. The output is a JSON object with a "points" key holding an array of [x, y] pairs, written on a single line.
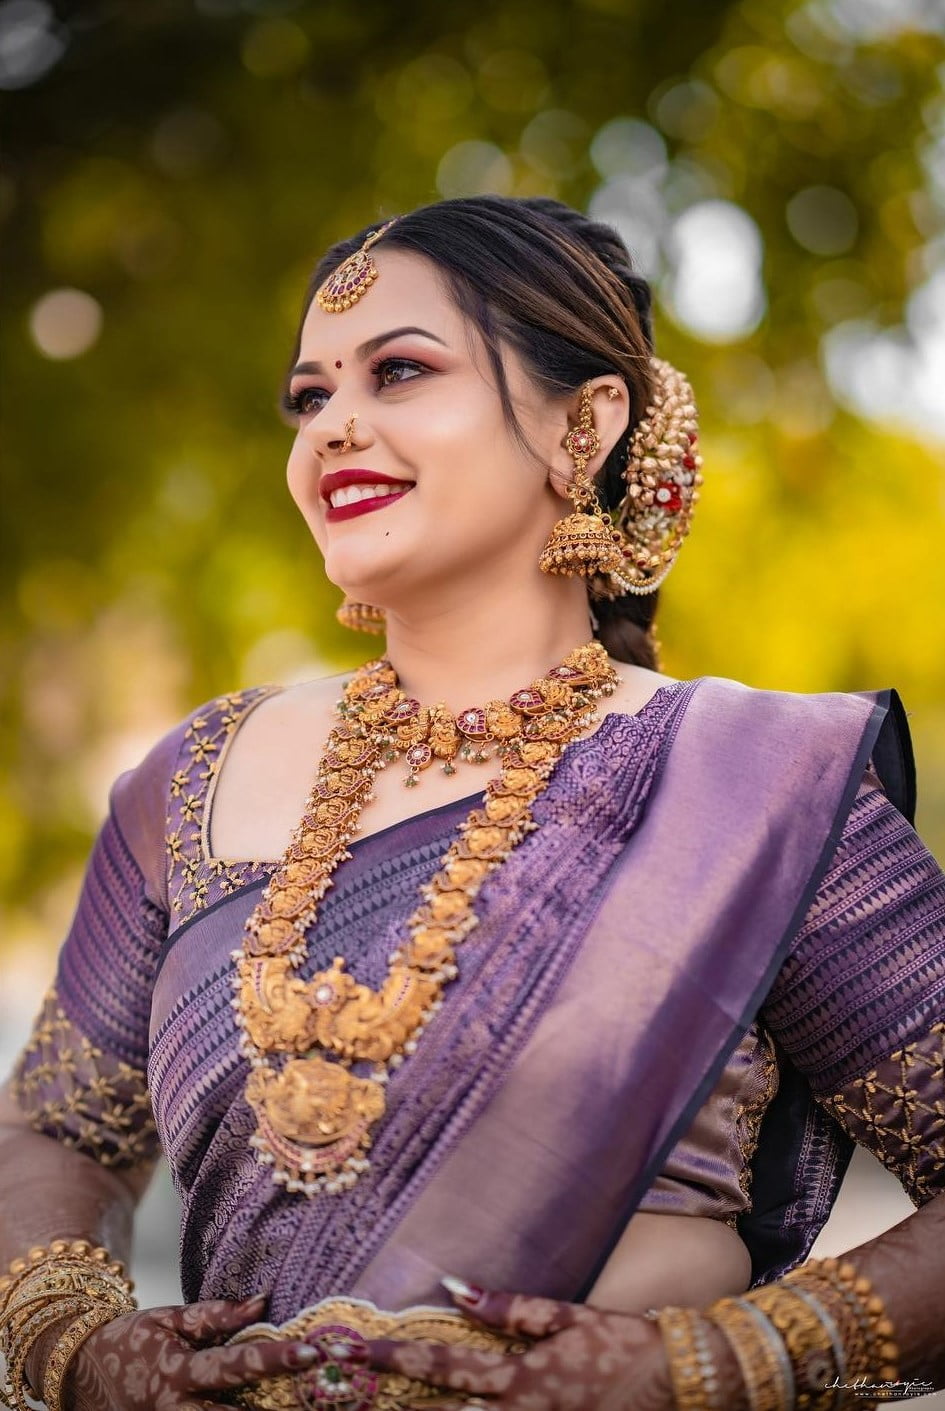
{"points": [[559, 289]]}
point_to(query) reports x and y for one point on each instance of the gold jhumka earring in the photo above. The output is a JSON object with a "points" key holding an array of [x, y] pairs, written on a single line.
{"points": [[584, 542], [362, 617], [653, 518]]}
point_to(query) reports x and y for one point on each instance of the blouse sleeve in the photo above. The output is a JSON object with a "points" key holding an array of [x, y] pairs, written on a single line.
{"points": [[81, 1078], [859, 1005]]}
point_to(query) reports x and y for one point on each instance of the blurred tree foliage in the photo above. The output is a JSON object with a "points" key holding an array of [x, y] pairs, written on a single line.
{"points": [[183, 164]]}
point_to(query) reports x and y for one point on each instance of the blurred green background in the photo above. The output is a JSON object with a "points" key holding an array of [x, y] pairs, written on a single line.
{"points": [[173, 169]]}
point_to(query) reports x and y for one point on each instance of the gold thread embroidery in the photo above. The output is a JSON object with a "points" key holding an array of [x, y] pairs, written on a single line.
{"points": [[190, 866], [75, 1093], [897, 1111], [751, 1114]]}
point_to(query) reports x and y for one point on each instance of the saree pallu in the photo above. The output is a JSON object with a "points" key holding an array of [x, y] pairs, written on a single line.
{"points": [[622, 952]]}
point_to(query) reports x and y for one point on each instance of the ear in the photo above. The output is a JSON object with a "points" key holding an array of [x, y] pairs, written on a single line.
{"points": [[610, 406]]}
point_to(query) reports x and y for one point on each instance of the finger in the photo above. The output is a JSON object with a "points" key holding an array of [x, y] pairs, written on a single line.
{"points": [[516, 1313], [460, 1368], [220, 1368], [215, 1319]]}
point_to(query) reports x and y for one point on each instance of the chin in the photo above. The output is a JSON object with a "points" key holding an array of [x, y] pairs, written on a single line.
{"points": [[371, 572]]}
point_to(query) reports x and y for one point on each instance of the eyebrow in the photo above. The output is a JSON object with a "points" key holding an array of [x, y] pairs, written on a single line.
{"points": [[364, 350]]}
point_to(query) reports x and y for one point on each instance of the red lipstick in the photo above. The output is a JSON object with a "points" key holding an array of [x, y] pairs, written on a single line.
{"points": [[342, 479]]}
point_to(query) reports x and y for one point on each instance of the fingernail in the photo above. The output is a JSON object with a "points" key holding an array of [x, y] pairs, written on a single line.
{"points": [[459, 1288], [258, 1300], [305, 1355]]}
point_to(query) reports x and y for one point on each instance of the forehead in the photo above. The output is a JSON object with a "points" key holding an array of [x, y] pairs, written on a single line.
{"points": [[408, 291]]}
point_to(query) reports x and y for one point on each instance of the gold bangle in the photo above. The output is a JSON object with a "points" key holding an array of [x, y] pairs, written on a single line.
{"points": [[45, 1286], [60, 1251], [68, 1344], [49, 1282], [27, 1333], [809, 1344], [761, 1355], [842, 1285], [692, 1367]]}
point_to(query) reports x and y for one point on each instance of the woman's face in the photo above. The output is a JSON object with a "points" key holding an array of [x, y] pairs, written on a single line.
{"points": [[435, 491]]}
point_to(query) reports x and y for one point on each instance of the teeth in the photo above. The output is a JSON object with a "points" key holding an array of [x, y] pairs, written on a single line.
{"points": [[351, 494]]}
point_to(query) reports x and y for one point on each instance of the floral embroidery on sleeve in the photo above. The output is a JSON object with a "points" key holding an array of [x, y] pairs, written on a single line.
{"points": [[897, 1111], [84, 1098]]}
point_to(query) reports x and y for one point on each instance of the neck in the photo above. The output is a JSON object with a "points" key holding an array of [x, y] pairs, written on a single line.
{"points": [[467, 648]]}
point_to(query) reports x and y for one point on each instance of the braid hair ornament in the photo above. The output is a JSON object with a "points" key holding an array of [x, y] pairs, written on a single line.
{"points": [[663, 480]]}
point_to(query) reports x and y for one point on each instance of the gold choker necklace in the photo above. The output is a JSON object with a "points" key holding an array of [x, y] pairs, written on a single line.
{"points": [[314, 1116]]}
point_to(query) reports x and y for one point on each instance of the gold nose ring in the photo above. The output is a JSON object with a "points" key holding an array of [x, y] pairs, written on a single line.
{"points": [[349, 432]]}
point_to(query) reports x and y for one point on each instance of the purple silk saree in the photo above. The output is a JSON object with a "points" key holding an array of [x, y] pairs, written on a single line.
{"points": [[622, 952]]}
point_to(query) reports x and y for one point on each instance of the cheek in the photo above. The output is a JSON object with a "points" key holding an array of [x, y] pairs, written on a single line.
{"points": [[303, 487]]}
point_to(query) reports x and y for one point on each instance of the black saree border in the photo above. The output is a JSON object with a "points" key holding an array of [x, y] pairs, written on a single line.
{"points": [[897, 757]]}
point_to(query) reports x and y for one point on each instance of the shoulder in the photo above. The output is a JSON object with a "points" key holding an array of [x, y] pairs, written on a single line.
{"points": [[729, 726], [725, 705], [202, 736]]}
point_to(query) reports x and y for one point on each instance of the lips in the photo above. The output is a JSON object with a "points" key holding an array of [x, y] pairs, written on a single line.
{"points": [[349, 493]]}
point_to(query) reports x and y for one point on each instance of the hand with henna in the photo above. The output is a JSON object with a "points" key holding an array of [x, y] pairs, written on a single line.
{"points": [[172, 1359], [582, 1359]]}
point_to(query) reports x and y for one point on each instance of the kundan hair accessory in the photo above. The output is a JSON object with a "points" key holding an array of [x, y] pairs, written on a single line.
{"points": [[663, 480], [353, 277], [584, 542]]}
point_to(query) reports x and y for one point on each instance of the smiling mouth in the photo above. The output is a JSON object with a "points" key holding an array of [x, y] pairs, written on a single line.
{"points": [[350, 500], [351, 494]]}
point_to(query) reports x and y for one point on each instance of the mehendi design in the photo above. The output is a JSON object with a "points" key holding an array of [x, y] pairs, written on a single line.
{"points": [[897, 1111], [72, 1091]]}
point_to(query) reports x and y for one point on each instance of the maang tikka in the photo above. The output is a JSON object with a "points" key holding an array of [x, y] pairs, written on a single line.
{"points": [[353, 277], [584, 543]]}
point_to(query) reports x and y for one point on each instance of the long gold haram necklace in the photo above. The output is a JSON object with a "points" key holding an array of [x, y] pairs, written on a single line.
{"points": [[314, 1116]]}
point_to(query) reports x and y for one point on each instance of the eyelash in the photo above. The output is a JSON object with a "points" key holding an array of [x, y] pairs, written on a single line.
{"points": [[293, 403]]}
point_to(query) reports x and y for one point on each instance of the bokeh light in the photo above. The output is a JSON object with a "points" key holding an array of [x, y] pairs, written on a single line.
{"points": [[715, 289], [65, 323]]}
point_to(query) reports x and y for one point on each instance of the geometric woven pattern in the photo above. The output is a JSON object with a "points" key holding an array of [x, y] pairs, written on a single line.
{"points": [[897, 1111], [866, 970]]}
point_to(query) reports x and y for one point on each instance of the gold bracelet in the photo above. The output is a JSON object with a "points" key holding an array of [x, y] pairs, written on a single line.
{"points": [[842, 1286], [28, 1333], [59, 1251], [68, 1344], [761, 1355], [834, 1330], [48, 1284], [809, 1342], [692, 1367]]}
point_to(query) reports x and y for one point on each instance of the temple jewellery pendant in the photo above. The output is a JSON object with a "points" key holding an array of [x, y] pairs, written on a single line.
{"points": [[314, 1115]]}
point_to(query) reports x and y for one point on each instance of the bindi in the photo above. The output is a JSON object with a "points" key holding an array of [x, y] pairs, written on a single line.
{"points": [[338, 363]]}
